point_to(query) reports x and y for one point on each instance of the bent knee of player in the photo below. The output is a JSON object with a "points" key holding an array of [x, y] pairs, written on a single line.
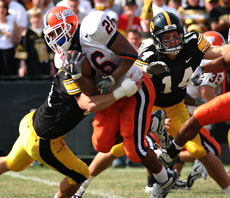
{"points": [[101, 148], [81, 177], [118, 150], [197, 152], [101, 145]]}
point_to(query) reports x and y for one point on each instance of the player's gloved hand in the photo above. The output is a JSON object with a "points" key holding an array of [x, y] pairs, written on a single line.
{"points": [[104, 83], [128, 88], [196, 76], [72, 64], [156, 68]]}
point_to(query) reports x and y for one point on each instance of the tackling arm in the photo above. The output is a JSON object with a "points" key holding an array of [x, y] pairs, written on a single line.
{"points": [[215, 52], [99, 102], [95, 103], [218, 65]]}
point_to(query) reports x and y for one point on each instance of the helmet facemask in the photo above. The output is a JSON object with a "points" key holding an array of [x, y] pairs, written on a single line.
{"points": [[166, 46], [163, 23], [58, 37]]}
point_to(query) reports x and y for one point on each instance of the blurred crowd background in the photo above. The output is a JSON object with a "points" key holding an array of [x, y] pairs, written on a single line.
{"points": [[23, 50]]}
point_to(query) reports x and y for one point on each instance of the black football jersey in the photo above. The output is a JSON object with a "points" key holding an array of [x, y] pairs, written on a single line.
{"points": [[60, 113], [34, 50], [171, 87]]}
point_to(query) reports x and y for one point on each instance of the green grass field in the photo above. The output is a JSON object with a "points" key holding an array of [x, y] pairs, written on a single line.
{"points": [[41, 182]]}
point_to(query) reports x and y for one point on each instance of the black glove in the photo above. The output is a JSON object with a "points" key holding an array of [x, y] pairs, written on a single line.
{"points": [[72, 64], [196, 76], [157, 68], [172, 151], [104, 83]]}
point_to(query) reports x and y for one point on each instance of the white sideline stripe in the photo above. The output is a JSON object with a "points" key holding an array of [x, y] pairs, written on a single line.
{"points": [[51, 183]]}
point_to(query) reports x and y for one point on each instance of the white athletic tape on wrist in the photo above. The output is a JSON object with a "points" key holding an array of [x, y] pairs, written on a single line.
{"points": [[128, 88], [118, 93]]}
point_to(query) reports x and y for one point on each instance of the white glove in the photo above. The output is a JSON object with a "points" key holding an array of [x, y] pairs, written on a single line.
{"points": [[156, 68], [128, 88]]}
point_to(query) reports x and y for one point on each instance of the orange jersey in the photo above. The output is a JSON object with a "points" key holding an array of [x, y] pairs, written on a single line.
{"points": [[214, 111]]}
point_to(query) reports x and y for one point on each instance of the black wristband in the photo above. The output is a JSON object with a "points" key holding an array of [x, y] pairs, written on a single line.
{"points": [[172, 151]]}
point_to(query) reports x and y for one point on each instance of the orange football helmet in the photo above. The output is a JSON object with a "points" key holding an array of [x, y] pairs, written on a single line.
{"points": [[60, 25], [214, 38]]}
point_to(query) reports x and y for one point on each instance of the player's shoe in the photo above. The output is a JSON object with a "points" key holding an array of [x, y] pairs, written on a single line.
{"points": [[79, 193], [161, 190], [148, 189], [180, 184], [197, 171], [164, 157]]}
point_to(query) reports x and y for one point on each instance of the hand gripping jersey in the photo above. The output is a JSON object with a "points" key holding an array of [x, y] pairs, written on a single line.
{"points": [[94, 37], [208, 79], [171, 87]]}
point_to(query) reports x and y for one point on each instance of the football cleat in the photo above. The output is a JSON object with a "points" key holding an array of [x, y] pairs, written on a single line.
{"points": [[157, 127], [79, 193], [161, 190], [148, 189], [164, 157], [180, 184], [81, 190], [197, 171]]}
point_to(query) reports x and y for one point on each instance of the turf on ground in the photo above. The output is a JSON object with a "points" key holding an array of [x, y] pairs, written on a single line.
{"points": [[41, 182]]}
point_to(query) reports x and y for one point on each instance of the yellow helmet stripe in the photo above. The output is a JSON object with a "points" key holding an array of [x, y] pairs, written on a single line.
{"points": [[167, 18]]}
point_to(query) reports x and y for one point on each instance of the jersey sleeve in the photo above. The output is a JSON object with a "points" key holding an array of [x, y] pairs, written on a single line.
{"points": [[202, 43], [144, 58], [99, 27], [69, 84]]}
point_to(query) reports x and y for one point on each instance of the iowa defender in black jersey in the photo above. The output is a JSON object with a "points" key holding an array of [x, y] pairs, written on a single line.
{"points": [[180, 53], [41, 132], [41, 136]]}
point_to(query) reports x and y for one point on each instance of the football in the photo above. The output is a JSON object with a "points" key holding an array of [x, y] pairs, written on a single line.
{"points": [[86, 68]]}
